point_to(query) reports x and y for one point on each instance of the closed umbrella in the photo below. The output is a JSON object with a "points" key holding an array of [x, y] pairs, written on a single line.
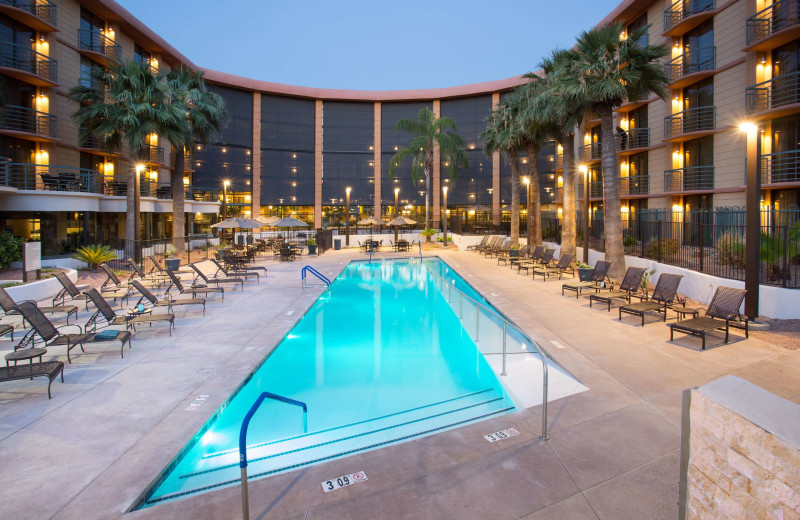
{"points": [[400, 221]]}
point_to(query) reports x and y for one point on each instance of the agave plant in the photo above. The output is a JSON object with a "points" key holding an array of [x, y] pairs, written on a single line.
{"points": [[94, 255]]}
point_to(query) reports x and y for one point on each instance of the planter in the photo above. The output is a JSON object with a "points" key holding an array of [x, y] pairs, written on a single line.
{"points": [[173, 264], [513, 253], [312, 249], [584, 274]]}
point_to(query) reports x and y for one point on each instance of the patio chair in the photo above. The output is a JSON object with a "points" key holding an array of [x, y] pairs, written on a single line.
{"points": [[138, 271], [193, 289], [168, 302], [478, 245], [564, 264], [544, 261], [599, 276], [8, 305], [721, 313], [68, 290], [215, 280], [497, 251], [663, 296], [228, 260], [48, 369], [51, 335], [631, 283], [532, 256], [238, 273], [505, 258], [159, 270], [130, 321], [493, 243], [113, 283]]}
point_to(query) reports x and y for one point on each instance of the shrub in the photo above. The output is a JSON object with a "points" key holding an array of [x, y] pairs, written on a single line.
{"points": [[428, 233], [94, 255], [730, 248], [10, 248], [440, 239], [628, 241], [669, 246], [311, 241]]}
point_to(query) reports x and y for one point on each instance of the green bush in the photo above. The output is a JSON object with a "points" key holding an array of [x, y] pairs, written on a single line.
{"points": [[730, 247], [10, 248], [628, 241], [440, 239], [94, 255], [669, 246], [311, 241], [428, 233]]}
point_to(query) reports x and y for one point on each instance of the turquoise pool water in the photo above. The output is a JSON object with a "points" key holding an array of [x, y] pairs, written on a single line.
{"points": [[380, 358]]}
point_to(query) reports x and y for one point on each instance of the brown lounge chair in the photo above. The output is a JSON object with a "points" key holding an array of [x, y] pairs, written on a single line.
{"points": [[193, 289], [160, 271], [130, 321], [489, 243], [564, 264], [237, 273], [216, 279], [480, 244], [544, 261], [497, 251], [663, 296], [631, 283], [169, 303], [69, 289], [48, 369], [532, 256], [506, 258], [51, 335], [599, 276], [722, 311], [150, 278], [233, 265], [8, 305], [493, 244], [113, 283]]}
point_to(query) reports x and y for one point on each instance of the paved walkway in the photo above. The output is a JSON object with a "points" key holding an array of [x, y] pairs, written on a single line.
{"points": [[613, 453]]}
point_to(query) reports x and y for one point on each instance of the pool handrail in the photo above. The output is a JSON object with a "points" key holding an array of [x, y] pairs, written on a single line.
{"points": [[243, 440], [506, 323], [309, 269]]}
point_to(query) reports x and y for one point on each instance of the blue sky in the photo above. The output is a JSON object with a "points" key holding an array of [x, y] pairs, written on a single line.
{"points": [[369, 45]]}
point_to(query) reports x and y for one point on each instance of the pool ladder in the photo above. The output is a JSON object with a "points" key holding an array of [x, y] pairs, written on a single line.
{"points": [[308, 269]]}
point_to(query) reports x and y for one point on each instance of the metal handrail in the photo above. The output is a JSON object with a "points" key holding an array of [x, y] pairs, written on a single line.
{"points": [[780, 167], [243, 440], [309, 269], [633, 138], [24, 58], [682, 9], [696, 119], [41, 9], [94, 41], [506, 323], [692, 178], [23, 119], [690, 62], [771, 19], [772, 93], [591, 151]]}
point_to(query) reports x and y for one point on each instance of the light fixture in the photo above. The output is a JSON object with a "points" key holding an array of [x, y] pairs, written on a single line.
{"points": [[42, 37], [226, 183], [763, 60], [747, 126]]}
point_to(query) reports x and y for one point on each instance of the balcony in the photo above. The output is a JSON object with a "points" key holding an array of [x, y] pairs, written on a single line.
{"points": [[690, 67], [632, 141], [152, 155], [690, 123], [98, 47], [187, 162], [592, 152], [779, 96], [695, 178], [28, 124], [632, 104], [634, 185], [36, 14], [558, 161], [24, 176], [23, 63], [773, 26], [685, 15], [91, 144], [781, 167], [596, 190]]}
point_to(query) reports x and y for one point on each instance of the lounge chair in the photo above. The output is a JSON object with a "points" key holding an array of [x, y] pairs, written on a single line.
{"points": [[564, 264], [68, 290], [663, 296], [494, 243], [228, 260], [8, 305], [169, 303], [158, 270], [723, 309], [52, 336], [215, 280], [138, 271], [544, 261], [480, 244], [130, 321], [7, 329], [113, 283], [48, 369], [534, 256], [237, 273], [599, 276], [489, 243], [505, 258], [193, 289], [631, 283], [497, 251]]}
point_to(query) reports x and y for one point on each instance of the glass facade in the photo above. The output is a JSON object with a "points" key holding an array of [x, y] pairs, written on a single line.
{"points": [[411, 193], [348, 132], [473, 184]]}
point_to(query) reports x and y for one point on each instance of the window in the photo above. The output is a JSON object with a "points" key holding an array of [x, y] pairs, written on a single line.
{"points": [[348, 156], [391, 141], [639, 23], [473, 184], [141, 55]]}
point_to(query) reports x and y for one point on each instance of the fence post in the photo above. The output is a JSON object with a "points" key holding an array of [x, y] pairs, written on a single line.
{"points": [[702, 239], [785, 267], [658, 239]]}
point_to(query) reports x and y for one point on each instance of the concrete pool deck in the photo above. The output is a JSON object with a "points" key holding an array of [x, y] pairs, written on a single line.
{"points": [[613, 450]]}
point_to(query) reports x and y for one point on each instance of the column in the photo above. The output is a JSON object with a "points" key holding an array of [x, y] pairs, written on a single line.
{"points": [[496, 211], [255, 205], [377, 161], [437, 174], [318, 165]]}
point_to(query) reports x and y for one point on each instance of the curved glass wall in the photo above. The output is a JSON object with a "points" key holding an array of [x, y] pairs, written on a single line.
{"points": [[348, 135], [473, 184]]}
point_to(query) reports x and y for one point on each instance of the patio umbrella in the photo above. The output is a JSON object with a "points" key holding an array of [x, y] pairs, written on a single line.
{"points": [[238, 222], [289, 222], [268, 221], [371, 221], [400, 221]]}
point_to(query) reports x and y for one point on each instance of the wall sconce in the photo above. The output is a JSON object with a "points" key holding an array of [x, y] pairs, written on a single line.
{"points": [[42, 37]]}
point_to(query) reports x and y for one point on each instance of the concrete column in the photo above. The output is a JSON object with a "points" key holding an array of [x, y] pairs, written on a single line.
{"points": [[255, 205], [318, 165], [377, 161], [437, 174], [496, 211]]}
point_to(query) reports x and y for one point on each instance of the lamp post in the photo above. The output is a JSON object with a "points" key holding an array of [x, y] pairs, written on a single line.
{"points": [[396, 193], [347, 218], [585, 172], [752, 219], [444, 217], [529, 223], [225, 185], [137, 218]]}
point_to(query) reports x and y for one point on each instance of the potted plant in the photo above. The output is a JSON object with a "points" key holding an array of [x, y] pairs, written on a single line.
{"points": [[173, 263], [513, 251], [312, 246], [584, 272]]}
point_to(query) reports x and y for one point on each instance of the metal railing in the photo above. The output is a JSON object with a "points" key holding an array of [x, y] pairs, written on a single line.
{"points": [[596, 190], [634, 185], [24, 176], [21, 57], [683, 9], [768, 21], [690, 62], [308, 269], [773, 93], [494, 316], [94, 41], [693, 178], [21, 119], [780, 167], [633, 138], [692, 120], [591, 151], [558, 161], [42, 9], [152, 154]]}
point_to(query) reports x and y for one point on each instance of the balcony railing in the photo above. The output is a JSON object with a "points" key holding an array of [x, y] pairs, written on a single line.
{"points": [[691, 62], [42, 9], [689, 179], [780, 167], [152, 154], [596, 189], [683, 9], [592, 151], [773, 93], [93, 41], [692, 120], [23, 58], [26, 176], [768, 21], [21, 119], [634, 185], [634, 138], [558, 161]]}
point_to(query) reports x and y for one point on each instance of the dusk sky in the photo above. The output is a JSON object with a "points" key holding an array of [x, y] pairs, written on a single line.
{"points": [[369, 45]]}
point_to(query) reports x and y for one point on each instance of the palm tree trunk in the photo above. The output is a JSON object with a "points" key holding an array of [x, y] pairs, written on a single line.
{"points": [[612, 214], [178, 205], [130, 215], [568, 228], [535, 203], [513, 158]]}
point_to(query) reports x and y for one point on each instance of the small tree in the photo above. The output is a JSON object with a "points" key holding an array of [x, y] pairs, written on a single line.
{"points": [[10, 248]]}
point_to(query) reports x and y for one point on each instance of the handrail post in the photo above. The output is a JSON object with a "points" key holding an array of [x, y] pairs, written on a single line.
{"points": [[477, 322], [505, 326]]}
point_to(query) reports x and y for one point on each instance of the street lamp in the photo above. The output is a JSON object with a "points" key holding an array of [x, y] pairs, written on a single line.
{"points": [[444, 219], [225, 185], [585, 171], [137, 222], [527, 181], [347, 217], [396, 193], [752, 218]]}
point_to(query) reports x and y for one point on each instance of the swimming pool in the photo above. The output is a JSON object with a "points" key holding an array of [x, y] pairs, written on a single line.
{"points": [[380, 358]]}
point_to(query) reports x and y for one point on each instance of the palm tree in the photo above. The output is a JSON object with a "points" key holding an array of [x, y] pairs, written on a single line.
{"points": [[125, 104], [503, 134], [428, 132], [204, 114], [605, 71]]}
